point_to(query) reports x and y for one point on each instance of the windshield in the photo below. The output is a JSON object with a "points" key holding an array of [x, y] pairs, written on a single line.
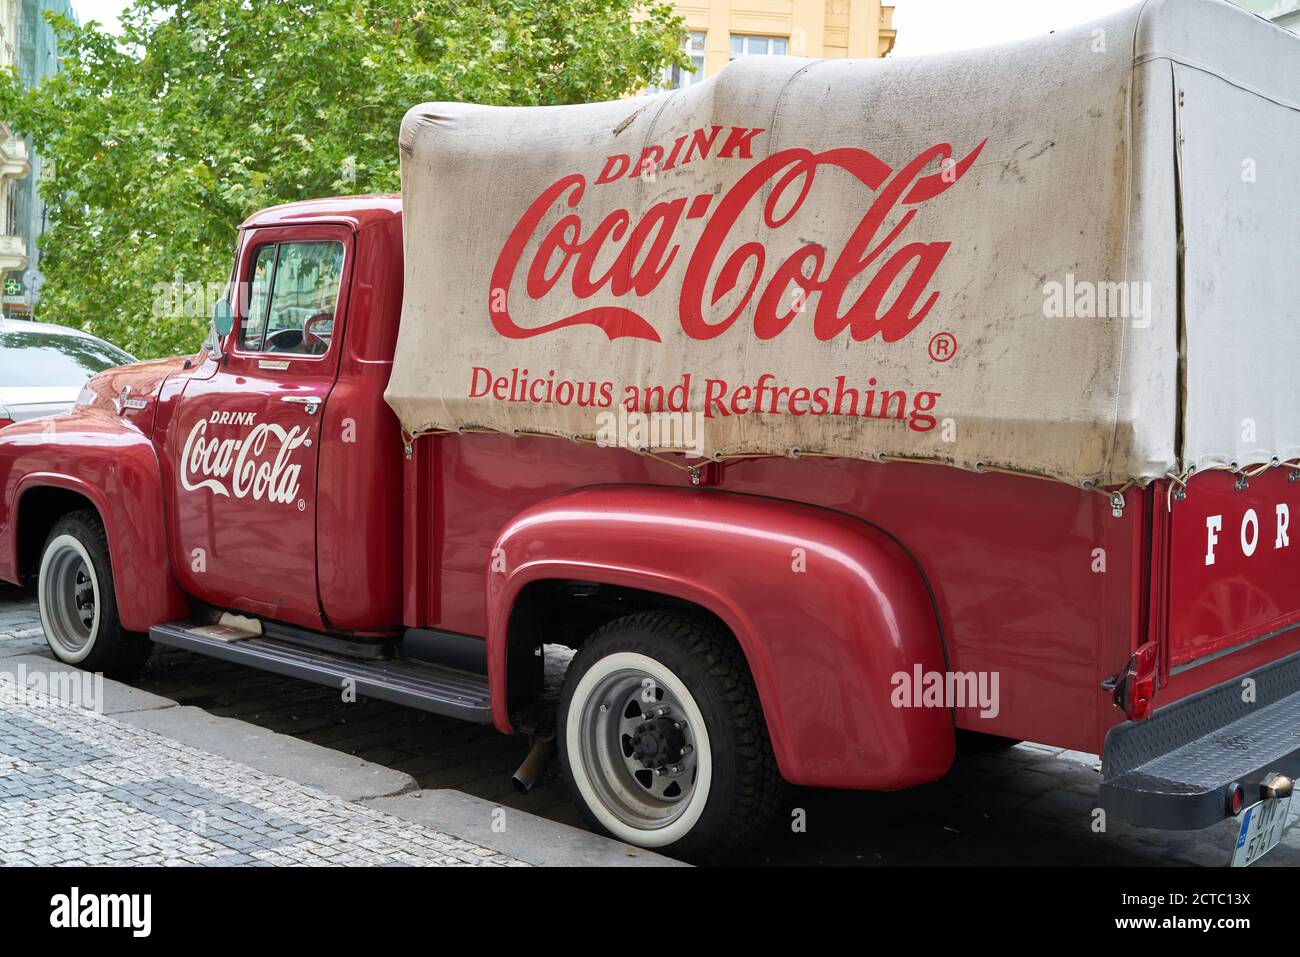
{"points": [[39, 358]]}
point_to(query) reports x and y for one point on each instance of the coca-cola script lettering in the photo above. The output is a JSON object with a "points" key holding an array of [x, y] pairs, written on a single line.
{"points": [[257, 466], [566, 252]]}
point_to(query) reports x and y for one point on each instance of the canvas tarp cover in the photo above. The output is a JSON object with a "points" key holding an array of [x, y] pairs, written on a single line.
{"points": [[970, 258]]}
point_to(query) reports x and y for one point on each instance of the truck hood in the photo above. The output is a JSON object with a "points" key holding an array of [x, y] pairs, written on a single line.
{"points": [[131, 391]]}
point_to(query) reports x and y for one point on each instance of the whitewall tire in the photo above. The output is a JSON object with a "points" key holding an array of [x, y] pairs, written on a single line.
{"points": [[662, 739], [78, 603]]}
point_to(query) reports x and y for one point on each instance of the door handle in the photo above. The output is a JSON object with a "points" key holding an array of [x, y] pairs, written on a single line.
{"points": [[310, 403]]}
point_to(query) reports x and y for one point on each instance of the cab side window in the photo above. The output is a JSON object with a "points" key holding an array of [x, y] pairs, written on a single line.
{"points": [[253, 328], [293, 296]]}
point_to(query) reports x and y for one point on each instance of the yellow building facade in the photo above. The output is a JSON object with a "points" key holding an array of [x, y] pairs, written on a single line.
{"points": [[721, 30]]}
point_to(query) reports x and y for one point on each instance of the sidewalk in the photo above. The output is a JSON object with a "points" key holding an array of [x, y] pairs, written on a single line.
{"points": [[81, 788], [133, 778]]}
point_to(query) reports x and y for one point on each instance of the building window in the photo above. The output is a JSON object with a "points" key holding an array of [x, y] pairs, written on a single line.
{"points": [[746, 45], [676, 77], [11, 207]]}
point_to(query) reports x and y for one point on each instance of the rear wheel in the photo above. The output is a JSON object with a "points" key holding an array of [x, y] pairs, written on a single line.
{"points": [[78, 604], [662, 739]]}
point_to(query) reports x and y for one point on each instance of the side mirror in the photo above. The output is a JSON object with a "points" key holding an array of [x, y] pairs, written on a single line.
{"points": [[223, 318]]}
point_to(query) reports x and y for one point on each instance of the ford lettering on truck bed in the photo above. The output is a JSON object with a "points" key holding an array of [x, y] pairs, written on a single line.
{"points": [[827, 409]]}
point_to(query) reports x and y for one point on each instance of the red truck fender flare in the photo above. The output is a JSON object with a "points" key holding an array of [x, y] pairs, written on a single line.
{"points": [[827, 609], [116, 469]]}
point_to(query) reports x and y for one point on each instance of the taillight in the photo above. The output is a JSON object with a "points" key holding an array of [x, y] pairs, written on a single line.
{"points": [[1136, 688], [5, 420], [1236, 798]]}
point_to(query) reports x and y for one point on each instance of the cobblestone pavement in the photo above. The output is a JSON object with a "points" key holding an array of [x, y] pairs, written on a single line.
{"points": [[1024, 805], [78, 787]]}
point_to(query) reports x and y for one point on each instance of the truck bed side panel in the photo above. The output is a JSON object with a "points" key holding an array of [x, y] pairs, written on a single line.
{"points": [[1019, 582]]}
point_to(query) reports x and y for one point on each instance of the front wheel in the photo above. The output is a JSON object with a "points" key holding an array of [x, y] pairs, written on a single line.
{"points": [[78, 604], [662, 739]]}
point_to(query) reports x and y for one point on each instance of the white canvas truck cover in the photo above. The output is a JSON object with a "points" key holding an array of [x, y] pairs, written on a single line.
{"points": [[971, 258]]}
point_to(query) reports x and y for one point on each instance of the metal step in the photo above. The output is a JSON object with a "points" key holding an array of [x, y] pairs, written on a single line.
{"points": [[416, 684], [1174, 769]]}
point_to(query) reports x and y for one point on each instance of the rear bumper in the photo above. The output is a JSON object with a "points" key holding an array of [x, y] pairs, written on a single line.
{"points": [[1175, 769]]}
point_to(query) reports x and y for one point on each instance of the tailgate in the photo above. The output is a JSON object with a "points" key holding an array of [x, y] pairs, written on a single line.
{"points": [[1225, 605], [1232, 570]]}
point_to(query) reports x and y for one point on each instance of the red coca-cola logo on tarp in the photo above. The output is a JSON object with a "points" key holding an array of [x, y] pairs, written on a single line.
{"points": [[566, 254]]}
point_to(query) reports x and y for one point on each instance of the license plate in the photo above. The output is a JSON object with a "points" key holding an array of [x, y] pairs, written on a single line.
{"points": [[1261, 829]]}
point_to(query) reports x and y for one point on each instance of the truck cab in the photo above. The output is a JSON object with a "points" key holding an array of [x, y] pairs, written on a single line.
{"points": [[277, 447]]}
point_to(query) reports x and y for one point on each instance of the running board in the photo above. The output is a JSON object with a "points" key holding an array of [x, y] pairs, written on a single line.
{"points": [[416, 684]]}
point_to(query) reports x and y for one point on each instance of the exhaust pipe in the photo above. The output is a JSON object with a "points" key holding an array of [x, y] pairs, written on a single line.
{"points": [[535, 764]]}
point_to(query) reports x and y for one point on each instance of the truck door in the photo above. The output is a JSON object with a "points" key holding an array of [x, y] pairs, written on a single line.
{"points": [[245, 440]]}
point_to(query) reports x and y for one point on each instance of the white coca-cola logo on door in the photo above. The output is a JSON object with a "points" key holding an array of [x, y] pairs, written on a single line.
{"points": [[258, 466]]}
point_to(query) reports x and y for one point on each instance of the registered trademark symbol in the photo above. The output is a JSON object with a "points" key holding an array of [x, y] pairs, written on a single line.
{"points": [[302, 506], [943, 346]]}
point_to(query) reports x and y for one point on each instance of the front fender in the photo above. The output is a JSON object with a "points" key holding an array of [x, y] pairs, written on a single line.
{"points": [[825, 607], [94, 453]]}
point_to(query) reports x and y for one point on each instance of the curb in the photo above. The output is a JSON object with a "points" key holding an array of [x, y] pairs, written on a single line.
{"points": [[342, 775], [523, 836]]}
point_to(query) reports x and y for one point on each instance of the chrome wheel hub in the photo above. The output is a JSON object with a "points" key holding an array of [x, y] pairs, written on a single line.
{"points": [[639, 750], [69, 597]]}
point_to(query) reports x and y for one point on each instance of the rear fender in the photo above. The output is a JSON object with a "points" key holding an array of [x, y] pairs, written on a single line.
{"points": [[109, 462], [826, 608]]}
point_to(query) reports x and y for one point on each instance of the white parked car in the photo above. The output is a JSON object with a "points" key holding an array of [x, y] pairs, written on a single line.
{"points": [[43, 367]]}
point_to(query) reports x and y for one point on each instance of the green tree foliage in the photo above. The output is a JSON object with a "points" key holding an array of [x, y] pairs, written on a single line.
{"points": [[162, 140]]}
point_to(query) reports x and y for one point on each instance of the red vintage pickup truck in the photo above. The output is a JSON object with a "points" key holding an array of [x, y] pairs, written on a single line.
{"points": [[749, 613]]}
